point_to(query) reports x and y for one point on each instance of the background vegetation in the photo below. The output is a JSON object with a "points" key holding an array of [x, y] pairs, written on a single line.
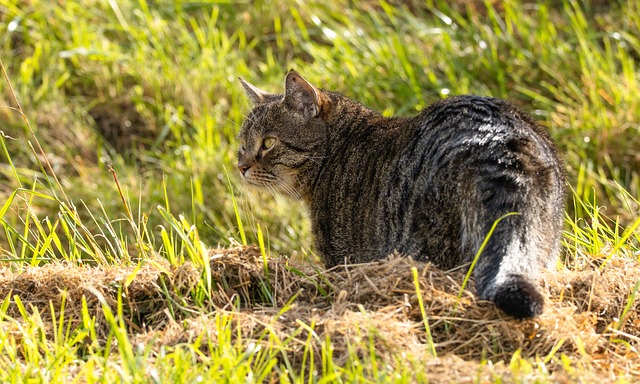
{"points": [[136, 106]]}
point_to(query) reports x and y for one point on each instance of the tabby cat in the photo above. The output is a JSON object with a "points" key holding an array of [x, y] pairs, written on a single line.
{"points": [[430, 186]]}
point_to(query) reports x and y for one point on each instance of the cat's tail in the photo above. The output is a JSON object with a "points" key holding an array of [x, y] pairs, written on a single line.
{"points": [[520, 246]]}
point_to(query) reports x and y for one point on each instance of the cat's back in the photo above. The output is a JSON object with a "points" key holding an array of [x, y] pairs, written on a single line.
{"points": [[484, 129], [463, 149], [472, 113]]}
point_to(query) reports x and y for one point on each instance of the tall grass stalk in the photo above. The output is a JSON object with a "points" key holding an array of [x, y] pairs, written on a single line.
{"points": [[479, 252], [425, 320]]}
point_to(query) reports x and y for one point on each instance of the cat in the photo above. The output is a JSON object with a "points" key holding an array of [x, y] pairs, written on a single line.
{"points": [[429, 186]]}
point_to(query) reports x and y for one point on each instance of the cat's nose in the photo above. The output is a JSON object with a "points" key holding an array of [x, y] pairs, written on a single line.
{"points": [[243, 166]]}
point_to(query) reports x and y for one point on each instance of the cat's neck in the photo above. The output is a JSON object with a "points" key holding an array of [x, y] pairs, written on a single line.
{"points": [[345, 116], [351, 130], [350, 122]]}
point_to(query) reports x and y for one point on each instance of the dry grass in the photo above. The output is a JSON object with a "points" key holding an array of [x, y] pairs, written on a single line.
{"points": [[354, 305]]}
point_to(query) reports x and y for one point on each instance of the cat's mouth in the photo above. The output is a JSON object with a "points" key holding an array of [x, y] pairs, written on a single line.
{"points": [[259, 179], [281, 184]]}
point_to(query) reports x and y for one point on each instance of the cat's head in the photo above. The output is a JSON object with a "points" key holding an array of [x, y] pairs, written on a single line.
{"points": [[282, 140]]}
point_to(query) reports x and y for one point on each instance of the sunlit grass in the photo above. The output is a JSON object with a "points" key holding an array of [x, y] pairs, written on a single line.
{"points": [[171, 71]]}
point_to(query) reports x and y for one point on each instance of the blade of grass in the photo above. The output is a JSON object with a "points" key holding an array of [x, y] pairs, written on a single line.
{"points": [[477, 256], [425, 320]]}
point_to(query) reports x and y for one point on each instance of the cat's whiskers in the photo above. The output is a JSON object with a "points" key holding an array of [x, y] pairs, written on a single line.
{"points": [[272, 190], [289, 191], [277, 185], [292, 181], [287, 188]]}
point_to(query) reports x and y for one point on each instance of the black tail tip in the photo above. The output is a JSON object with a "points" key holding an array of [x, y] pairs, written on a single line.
{"points": [[519, 298]]}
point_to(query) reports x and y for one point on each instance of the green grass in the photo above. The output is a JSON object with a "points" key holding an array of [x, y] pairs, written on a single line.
{"points": [[136, 105]]}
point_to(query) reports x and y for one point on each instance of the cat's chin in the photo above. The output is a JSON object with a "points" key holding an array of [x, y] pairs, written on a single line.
{"points": [[257, 184], [275, 188]]}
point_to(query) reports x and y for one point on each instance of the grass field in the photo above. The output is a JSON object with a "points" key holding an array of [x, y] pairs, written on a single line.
{"points": [[130, 251]]}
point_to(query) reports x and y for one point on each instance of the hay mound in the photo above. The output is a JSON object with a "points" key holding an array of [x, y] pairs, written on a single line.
{"points": [[591, 315]]}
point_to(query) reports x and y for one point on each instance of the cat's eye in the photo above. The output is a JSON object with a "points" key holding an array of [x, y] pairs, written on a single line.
{"points": [[242, 147], [268, 142]]}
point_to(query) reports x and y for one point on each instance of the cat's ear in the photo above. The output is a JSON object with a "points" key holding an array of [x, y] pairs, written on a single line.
{"points": [[255, 94], [301, 96]]}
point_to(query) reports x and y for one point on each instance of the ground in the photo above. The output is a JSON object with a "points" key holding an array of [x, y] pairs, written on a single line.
{"points": [[589, 330]]}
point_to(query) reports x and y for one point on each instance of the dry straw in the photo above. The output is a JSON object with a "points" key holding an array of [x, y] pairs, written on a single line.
{"points": [[591, 316]]}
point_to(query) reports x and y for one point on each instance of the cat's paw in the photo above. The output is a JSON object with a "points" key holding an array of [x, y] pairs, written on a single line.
{"points": [[519, 297]]}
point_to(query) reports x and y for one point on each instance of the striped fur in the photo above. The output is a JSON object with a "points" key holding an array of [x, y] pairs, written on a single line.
{"points": [[430, 186]]}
